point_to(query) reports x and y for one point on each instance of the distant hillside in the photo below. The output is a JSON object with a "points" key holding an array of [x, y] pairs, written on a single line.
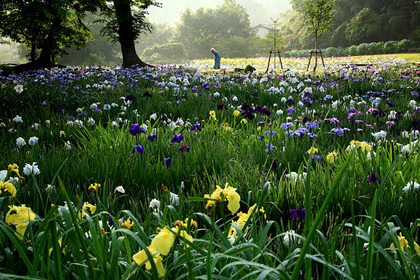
{"points": [[259, 11]]}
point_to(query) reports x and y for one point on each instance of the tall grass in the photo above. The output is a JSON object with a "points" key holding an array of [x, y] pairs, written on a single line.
{"points": [[358, 189]]}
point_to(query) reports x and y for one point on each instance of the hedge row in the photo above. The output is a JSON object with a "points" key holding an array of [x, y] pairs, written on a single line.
{"points": [[363, 49]]}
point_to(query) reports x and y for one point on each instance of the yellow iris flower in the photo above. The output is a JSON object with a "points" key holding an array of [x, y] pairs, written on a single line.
{"points": [[60, 241], [86, 205], [229, 194], [94, 186], [128, 224], [14, 168], [233, 199], [141, 257], [404, 244], [312, 151], [242, 219], [331, 157], [185, 235], [7, 186], [19, 216], [361, 145], [185, 223], [212, 115], [163, 241]]}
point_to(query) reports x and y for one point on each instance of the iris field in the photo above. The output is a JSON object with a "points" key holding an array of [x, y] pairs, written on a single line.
{"points": [[182, 172]]}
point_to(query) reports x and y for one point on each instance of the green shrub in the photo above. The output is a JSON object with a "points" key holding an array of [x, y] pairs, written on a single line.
{"points": [[363, 49], [249, 68], [166, 53]]}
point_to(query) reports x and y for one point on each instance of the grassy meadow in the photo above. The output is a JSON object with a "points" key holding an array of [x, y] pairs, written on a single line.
{"points": [[185, 172]]}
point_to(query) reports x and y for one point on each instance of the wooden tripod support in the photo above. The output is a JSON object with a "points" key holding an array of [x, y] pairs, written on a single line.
{"points": [[316, 59], [269, 58]]}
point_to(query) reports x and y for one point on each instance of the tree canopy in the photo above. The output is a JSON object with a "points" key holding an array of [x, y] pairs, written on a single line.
{"points": [[125, 22], [357, 21], [226, 28], [273, 40], [46, 26]]}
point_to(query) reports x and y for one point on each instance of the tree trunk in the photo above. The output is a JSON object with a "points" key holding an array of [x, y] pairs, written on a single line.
{"points": [[126, 34], [316, 51], [45, 59]]}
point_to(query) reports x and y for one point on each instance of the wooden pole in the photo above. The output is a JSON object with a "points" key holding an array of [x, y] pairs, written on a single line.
{"points": [[268, 65], [281, 64], [316, 59], [276, 53], [322, 58], [310, 58]]}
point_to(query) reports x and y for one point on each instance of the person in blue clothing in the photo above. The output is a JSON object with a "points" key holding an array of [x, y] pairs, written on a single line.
{"points": [[216, 58]]}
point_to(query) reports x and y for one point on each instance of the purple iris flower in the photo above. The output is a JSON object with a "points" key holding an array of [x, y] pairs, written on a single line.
{"points": [[312, 125], [372, 178], [312, 135], [297, 213], [136, 129], [338, 131], [248, 111], [333, 120], [318, 157], [152, 137], [290, 110], [390, 104], [110, 220], [221, 107], [138, 149], [147, 94], [289, 133], [249, 115], [184, 148], [130, 97], [167, 161], [261, 137], [270, 147], [306, 119], [270, 133], [177, 138], [274, 165], [374, 111], [265, 111], [299, 132], [285, 126], [195, 127]]}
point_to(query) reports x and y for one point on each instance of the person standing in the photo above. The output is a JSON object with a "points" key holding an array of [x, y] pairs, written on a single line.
{"points": [[216, 58]]}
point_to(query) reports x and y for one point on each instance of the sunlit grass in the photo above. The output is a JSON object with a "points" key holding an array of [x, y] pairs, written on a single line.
{"points": [[301, 64], [254, 137]]}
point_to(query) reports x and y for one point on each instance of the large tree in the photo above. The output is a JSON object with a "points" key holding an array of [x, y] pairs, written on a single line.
{"points": [[273, 40], [98, 51], [46, 26], [320, 16], [226, 28], [125, 22], [358, 21]]}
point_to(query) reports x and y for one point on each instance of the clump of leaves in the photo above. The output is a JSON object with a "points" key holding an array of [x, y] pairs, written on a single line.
{"points": [[249, 68]]}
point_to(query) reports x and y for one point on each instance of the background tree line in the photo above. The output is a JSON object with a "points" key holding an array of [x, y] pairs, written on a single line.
{"points": [[356, 22], [225, 27]]}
